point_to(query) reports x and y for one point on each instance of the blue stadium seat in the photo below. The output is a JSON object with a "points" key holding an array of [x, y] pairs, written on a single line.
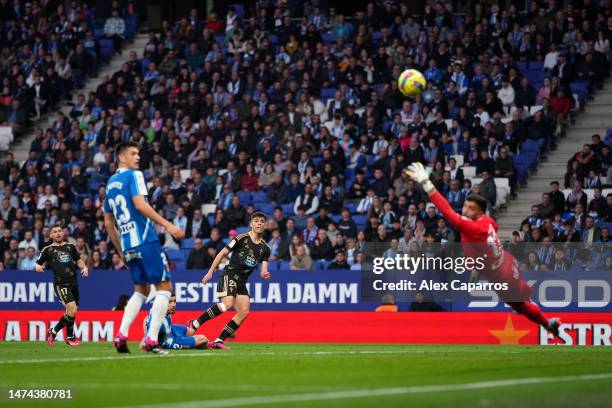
{"points": [[349, 174], [284, 265], [273, 265], [242, 230], [360, 219], [244, 196], [530, 145], [347, 184], [180, 265], [352, 207], [267, 208], [581, 89], [387, 125], [240, 10], [327, 93], [175, 254], [316, 160], [287, 208], [536, 65], [522, 66], [328, 38], [188, 243], [259, 197]]}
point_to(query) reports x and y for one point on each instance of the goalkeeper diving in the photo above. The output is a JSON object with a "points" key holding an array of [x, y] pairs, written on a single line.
{"points": [[475, 226]]}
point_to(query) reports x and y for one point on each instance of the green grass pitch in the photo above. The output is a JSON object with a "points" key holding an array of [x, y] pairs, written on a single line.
{"points": [[312, 375]]}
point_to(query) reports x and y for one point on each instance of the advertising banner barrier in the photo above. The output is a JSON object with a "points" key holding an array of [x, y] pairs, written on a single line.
{"points": [[592, 329]]}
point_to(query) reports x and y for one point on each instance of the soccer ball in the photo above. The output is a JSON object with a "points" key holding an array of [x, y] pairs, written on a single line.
{"points": [[411, 82]]}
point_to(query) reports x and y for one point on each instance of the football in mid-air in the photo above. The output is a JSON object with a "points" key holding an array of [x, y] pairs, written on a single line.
{"points": [[411, 82]]}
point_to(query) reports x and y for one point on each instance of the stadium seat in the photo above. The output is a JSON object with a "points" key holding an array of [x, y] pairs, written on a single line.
{"points": [[259, 197], [316, 160], [175, 254], [244, 196], [536, 66], [328, 38], [284, 265], [187, 243], [240, 10], [352, 207], [287, 208], [327, 93], [360, 219], [242, 230], [267, 208]]}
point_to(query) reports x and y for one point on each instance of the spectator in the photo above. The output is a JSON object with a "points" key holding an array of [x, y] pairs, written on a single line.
{"points": [[420, 304], [339, 261], [29, 261], [199, 257], [300, 260], [388, 304], [114, 28], [308, 201]]}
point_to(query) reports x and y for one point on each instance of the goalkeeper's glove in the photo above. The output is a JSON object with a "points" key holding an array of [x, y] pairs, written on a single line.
{"points": [[419, 174]]}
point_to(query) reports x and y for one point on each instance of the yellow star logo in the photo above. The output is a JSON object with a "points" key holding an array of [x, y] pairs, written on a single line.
{"points": [[509, 335]]}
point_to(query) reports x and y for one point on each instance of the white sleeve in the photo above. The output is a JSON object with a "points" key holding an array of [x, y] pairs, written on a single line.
{"points": [[140, 187]]}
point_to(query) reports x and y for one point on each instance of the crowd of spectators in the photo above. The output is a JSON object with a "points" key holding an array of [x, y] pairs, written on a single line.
{"points": [[48, 51], [576, 211], [298, 113]]}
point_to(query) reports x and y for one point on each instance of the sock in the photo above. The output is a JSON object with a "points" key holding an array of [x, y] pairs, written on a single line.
{"points": [[229, 330], [69, 326], [210, 313], [131, 311], [158, 312], [60, 325], [530, 311]]}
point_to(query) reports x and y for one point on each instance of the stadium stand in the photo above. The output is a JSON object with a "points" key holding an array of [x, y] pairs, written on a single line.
{"points": [[297, 113]]}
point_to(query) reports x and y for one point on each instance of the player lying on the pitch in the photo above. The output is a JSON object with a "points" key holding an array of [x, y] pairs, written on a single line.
{"points": [[176, 336], [476, 226]]}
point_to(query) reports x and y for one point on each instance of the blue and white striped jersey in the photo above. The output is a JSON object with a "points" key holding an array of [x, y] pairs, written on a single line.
{"points": [[135, 229]]}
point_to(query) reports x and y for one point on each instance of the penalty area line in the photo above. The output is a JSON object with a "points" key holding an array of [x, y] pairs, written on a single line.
{"points": [[368, 393]]}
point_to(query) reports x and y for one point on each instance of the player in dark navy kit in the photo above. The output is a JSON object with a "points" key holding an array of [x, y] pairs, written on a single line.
{"points": [[63, 259], [245, 251]]}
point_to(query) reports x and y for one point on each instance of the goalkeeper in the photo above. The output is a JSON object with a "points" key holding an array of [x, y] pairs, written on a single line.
{"points": [[477, 227]]}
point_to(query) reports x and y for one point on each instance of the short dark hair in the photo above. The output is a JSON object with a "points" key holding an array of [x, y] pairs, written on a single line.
{"points": [[124, 146], [257, 214], [479, 200], [57, 225]]}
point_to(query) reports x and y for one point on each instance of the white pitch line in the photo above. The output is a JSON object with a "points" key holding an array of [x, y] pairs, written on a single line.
{"points": [[208, 354], [368, 393]]}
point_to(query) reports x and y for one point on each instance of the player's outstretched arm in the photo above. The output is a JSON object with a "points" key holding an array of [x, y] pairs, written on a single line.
{"points": [[145, 209], [417, 172], [222, 254]]}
